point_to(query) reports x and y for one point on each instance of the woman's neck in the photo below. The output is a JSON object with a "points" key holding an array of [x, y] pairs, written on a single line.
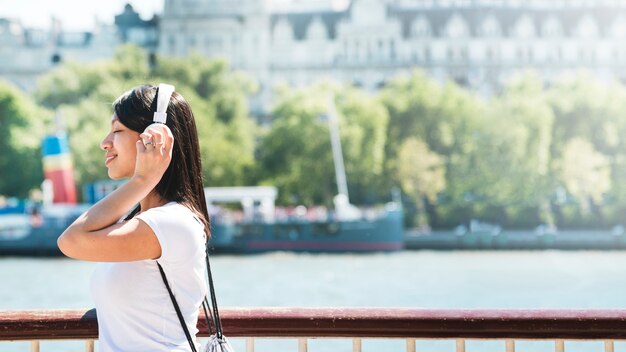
{"points": [[152, 200]]}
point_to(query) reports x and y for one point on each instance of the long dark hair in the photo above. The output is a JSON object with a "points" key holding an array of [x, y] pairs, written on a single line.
{"points": [[182, 181]]}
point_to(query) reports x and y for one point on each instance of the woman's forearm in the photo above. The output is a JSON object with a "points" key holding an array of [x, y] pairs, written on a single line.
{"points": [[111, 208]]}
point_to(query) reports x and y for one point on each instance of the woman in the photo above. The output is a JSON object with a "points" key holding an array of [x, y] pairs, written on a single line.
{"points": [[168, 223]]}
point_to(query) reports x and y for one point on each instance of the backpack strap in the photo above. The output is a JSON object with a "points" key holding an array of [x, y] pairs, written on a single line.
{"points": [[178, 312]]}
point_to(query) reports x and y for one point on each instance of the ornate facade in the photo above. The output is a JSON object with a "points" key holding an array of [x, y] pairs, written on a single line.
{"points": [[27, 53], [478, 43]]}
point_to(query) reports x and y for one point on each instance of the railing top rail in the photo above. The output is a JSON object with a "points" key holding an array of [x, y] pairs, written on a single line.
{"points": [[349, 322]]}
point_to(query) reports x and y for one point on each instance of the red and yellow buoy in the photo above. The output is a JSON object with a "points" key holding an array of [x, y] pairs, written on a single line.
{"points": [[58, 168]]}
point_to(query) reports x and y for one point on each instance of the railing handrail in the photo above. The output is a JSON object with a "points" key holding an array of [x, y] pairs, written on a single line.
{"points": [[349, 322]]}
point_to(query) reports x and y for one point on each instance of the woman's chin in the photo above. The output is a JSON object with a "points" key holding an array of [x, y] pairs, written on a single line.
{"points": [[115, 176]]}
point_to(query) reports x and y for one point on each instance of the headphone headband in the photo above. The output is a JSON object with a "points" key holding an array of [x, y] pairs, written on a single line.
{"points": [[164, 94]]}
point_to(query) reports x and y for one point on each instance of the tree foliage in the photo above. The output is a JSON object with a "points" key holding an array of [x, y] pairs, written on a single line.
{"points": [[296, 154], [23, 125], [531, 154], [83, 94]]}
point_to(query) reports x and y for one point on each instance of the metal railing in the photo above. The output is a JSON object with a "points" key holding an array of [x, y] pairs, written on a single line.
{"points": [[352, 323]]}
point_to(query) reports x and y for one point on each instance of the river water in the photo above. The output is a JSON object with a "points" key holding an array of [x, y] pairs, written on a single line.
{"points": [[416, 279]]}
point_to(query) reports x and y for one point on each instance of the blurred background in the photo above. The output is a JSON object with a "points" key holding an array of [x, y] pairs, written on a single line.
{"points": [[503, 111], [480, 117]]}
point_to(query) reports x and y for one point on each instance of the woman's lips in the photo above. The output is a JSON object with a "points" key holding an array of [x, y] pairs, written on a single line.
{"points": [[109, 159]]}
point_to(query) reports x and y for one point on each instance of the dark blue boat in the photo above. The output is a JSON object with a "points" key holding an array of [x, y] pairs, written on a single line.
{"points": [[28, 233], [24, 233], [382, 231]]}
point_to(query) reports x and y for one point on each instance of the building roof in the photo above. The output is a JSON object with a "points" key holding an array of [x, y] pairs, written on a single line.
{"points": [[474, 13], [507, 16]]}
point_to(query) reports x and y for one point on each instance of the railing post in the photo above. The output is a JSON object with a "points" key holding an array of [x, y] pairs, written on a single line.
{"points": [[410, 345], [303, 344], [559, 346], [510, 345], [34, 346], [249, 344], [356, 345], [89, 345], [460, 345], [609, 346]]}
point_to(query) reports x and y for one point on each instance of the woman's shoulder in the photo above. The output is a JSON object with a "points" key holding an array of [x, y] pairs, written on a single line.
{"points": [[175, 214], [177, 229]]}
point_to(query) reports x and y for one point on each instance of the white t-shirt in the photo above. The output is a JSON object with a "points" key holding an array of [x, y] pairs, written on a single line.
{"points": [[135, 312]]}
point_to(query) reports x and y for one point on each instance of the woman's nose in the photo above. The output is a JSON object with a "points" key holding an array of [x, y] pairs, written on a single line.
{"points": [[106, 142]]}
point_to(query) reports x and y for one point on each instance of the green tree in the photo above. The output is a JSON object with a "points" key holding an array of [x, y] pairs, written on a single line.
{"points": [[83, 94], [23, 125], [590, 110], [445, 117], [421, 174], [220, 101], [296, 155], [521, 124], [585, 172]]}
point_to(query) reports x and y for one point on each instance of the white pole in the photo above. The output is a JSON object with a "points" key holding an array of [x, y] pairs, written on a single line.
{"points": [[340, 172]]}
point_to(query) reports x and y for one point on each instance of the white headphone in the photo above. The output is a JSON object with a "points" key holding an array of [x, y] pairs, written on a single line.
{"points": [[164, 94]]}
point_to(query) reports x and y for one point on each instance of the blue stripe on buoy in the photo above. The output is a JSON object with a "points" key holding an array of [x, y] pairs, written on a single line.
{"points": [[55, 145]]}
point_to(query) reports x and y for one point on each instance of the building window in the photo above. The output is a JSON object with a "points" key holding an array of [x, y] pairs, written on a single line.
{"points": [[525, 54], [490, 54], [464, 55], [520, 54], [171, 42]]}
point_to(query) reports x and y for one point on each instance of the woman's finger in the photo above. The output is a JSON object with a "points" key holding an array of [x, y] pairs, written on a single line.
{"points": [[168, 138], [146, 138], [160, 132], [158, 137], [140, 146]]}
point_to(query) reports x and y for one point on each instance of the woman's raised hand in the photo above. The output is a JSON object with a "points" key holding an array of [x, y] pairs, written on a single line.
{"points": [[154, 153]]}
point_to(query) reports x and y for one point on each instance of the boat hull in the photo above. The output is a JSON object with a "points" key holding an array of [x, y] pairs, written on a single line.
{"points": [[39, 241], [383, 233]]}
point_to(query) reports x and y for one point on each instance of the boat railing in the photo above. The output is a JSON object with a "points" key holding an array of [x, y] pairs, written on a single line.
{"points": [[356, 324]]}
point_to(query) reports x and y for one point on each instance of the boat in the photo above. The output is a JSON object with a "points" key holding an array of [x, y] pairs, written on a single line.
{"points": [[260, 227], [344, 229], [35, 232], [32, 228]]}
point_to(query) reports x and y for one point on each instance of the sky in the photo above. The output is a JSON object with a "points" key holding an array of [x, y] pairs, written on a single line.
{"points": [[74, 14]]}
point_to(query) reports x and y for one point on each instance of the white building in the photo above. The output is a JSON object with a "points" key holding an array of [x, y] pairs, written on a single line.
{"points": [[26, 53], [478, 43]]}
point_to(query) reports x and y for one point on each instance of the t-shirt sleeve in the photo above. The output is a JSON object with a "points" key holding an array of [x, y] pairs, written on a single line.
{"points": [[177, 231]]}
